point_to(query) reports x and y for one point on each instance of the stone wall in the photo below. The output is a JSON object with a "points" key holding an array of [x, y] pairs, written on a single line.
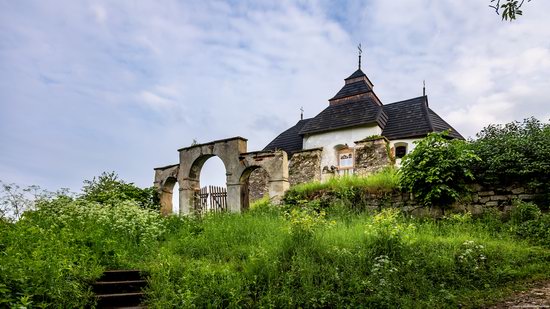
{"points": [[371, 155], [305, 166], [482, 198], [258, 184]]}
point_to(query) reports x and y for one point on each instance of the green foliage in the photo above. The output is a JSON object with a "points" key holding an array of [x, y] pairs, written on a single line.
{"points": [[523, 212], [510, 8], [438, 169], [52, 254], [388, 232], [109, 189], [528, 222], [301, 255], [514, 153], [304, 222], [347, 189]]}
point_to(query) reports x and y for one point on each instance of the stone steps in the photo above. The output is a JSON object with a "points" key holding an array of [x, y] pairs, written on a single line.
{"points": [[120, 289]]}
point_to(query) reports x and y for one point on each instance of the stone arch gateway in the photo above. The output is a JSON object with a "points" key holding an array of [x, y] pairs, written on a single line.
{"points": [[238, 165]]}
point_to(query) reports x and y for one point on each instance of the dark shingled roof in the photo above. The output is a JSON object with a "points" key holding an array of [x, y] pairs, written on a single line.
{"points": [[357, 74], [413, 118], [347, 114], [405, 119], [439, 125], [358, 87], [290, 140]]}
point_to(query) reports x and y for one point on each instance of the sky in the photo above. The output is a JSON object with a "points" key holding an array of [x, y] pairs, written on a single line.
{"points": [[93, 86]]}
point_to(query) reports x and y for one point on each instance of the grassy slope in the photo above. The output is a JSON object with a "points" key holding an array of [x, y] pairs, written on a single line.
{"points": [[256, 260], [265, 257]]}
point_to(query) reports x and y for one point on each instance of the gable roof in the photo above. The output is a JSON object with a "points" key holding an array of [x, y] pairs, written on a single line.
{"points": [[290, 140], [347, 114], [413, 118], [440, 125]]}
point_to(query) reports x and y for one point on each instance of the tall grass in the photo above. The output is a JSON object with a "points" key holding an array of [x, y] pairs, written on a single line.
{"points": [[306, 259], [268, 257], [386, 180]]}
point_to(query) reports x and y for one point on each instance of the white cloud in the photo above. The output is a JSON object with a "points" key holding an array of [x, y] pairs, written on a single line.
{"points": [[122, 85], [99, 12]]}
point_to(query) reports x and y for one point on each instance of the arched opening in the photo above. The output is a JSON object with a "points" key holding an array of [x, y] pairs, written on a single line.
{"points": [[400, 150], [176, 199], [254, 185], [169, 193], [208, 175]]}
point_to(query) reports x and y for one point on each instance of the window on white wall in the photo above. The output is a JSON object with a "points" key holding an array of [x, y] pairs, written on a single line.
{"points": [[345, 161], [400, 150]]}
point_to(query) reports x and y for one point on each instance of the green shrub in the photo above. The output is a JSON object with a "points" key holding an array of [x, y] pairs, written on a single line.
{"points": [[514, 153], [536, 231], [438, 169], [529, 223], [52, 254], [108, 189], [523, 212], [387, 233]]}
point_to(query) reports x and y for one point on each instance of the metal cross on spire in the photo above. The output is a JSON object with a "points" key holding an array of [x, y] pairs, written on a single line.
{"points": [[360, 51], [424, 88]]}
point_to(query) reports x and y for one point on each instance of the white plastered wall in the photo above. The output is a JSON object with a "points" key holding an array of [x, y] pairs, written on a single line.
{"points": [[399, 142], [328, 141]]}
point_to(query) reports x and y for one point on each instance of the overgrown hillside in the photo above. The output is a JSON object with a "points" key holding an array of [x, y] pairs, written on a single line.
{"points": [[319, 249]]}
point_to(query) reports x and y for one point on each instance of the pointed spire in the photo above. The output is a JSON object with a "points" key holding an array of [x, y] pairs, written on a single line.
{"points": [[360, 51], [424, 88]]}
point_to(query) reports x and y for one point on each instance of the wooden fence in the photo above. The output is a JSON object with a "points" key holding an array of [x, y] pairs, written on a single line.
{"points": [[211, 198]]}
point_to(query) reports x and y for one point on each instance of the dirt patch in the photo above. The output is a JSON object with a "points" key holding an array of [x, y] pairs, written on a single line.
{"points": [[537, 296]]}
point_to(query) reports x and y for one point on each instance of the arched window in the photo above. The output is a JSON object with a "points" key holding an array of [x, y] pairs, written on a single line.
{"points": [[400, 150], [345, 161]]}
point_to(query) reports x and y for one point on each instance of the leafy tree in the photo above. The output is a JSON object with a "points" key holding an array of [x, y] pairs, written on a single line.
{"points": [[15, 200], [514, 153], [510, 8], [438, 169], [109, 189]]}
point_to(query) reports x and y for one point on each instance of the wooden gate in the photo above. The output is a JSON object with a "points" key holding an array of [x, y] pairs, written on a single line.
{"points": [[211, 198]]}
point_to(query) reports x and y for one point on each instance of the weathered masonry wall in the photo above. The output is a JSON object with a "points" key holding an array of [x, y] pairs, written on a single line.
{"points": [[371, 156], [258, 184], [482, 198], [305, 166]]}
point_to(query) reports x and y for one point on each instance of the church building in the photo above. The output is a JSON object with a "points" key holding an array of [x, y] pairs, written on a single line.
{"points": [[356, 118]]}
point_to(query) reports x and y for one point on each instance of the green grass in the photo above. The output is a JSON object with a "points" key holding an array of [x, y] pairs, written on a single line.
{"points": [[267, 257], [384, 181]]}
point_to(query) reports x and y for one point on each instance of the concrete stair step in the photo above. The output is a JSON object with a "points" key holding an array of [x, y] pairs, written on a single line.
{"points": [[121, 275], [111, 287], [120, 289], [119, 300]]}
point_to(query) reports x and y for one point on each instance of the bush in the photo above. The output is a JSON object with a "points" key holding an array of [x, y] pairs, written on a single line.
{"points": [[536, 231], [387, 232], [514, 153], [438, 169], [529, 223], [523, 212], [52, 254], [108, 189]]}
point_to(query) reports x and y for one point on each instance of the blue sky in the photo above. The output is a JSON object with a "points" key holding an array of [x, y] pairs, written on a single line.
{"points": [[92, 86]]}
